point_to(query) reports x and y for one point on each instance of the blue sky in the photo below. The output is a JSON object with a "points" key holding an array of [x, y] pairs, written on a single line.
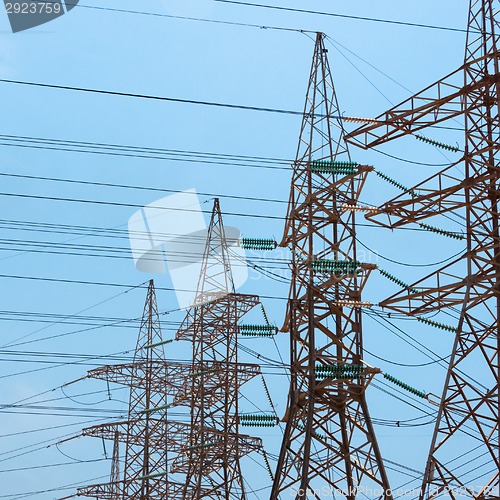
{"points": [[210, 62]]}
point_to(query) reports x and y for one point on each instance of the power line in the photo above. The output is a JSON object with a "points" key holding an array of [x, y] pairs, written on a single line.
{"points": [[43, 429], [48, 466], [408, 264], [137, 188], [406, 365], [129, 205], [63, 319], [437, 359], [100, 283], [344, 16], [101, 232], [62, 409], [90, 328], [66, 355], [189, 18], [33, 445], [269, 365], [152, 97], [166, 99], [159, 154], [273, 7], [361, 73], [18, 496], [142, 152], [135, 205], [110, 252], [101, 302], [334, 42]]}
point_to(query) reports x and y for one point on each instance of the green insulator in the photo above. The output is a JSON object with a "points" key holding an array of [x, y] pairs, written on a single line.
{"points": [[396, 183], [441, 326], [313, 432], [399, 282], [266, 390], [258, 420], [257, 330], [268, 465], [157, 344], [339, 371], [404, 386], [392, 278], [152, 476], [158, 408], [258, 243], [203, 372], [334, 167], [335, 266], [443, 232], [264, 314], [437, 143], [203, 446]]}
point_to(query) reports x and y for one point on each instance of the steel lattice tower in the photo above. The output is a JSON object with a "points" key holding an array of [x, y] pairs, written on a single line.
{"points": [[329, 440], [468, 414], [146, 432], [211, 457], [203, 455]]}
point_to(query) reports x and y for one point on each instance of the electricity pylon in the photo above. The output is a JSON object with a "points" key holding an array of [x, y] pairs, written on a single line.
{"points": [[211, 457], [329, 445], [469, 287], [203, 455], [147, 434]]}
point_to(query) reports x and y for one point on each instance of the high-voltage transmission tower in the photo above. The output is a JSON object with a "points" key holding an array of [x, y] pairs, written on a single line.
{"points": [[469, 287], [329, 440], [211, 459], [174, 460], [147, 435]]}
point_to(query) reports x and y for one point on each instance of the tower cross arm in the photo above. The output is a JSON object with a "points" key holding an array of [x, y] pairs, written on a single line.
{"points": [[436, 103]]}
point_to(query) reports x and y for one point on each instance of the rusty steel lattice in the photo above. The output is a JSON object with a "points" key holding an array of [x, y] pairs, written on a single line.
{"points": [[146, 431], [211, 457], [329, 440], [467, 288], [165, 459]]}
